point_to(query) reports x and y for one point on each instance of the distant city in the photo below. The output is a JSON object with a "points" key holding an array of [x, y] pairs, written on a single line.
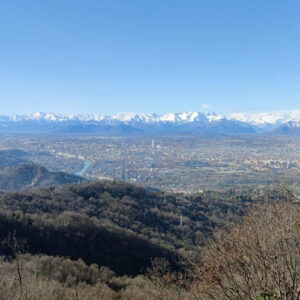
{"points": [[183, 163]]}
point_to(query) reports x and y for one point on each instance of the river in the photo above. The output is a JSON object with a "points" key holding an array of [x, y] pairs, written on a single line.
{"points": [[86, 164]]}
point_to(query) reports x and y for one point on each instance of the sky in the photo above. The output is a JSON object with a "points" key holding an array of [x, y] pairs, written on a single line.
{"points": [[158, 56]]}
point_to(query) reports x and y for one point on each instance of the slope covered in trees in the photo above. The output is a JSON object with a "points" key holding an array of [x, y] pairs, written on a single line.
{"points": [[29, 175], [116, 224], [256, 258], [18, 171]]}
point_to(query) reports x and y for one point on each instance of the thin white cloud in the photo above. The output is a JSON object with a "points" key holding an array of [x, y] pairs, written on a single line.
{"points": [[206, 106]]}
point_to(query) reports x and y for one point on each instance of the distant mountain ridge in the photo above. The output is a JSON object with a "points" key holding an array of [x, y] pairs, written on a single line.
{"points": [[18, 172], [268, 119], [131, 123], [30, 175], [290, 128]]}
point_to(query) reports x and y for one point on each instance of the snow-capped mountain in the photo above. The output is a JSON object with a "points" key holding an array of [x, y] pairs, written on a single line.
{"points": [[289, 128], [132, 123], [121, 117], [268, 120]]}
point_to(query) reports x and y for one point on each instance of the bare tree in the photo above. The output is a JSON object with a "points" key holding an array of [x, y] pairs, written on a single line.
{"points": [[16, 247], [256, 259]]}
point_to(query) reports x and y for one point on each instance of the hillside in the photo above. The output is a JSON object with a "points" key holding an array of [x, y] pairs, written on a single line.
{"points": [[120, 225], [29, 175], [15, 157], [290, 128]]}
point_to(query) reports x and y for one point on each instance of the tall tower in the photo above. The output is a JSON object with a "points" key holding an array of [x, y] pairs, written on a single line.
{"points": [[153, 144]]}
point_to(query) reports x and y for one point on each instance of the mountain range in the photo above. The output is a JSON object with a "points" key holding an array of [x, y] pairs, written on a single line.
{"points": [[285, 122]]}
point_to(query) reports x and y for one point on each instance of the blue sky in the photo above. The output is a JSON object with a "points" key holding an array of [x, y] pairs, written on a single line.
{"points": [[82, 56]]}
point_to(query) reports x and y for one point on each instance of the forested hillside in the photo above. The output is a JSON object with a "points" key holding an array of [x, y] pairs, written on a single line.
{"points": [[120, 225], [30, 175], [113, 240], [18, 171]]}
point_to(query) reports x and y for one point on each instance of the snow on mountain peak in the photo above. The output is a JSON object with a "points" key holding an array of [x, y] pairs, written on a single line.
{"points": [[263, 120], [293, 124], [272, 118]]}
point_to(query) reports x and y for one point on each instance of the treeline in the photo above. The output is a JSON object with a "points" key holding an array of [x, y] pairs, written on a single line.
{"points": [[256, 259], [153, 215], [117, 225], [75, 236], [55, 278]]}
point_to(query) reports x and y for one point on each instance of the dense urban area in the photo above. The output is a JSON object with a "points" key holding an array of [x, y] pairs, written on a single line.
{"points": [[186, 164]]}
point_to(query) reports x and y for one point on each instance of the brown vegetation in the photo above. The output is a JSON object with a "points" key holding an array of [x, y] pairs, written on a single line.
{"points": [[257, 259], [98, 240], [54, 278]]}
